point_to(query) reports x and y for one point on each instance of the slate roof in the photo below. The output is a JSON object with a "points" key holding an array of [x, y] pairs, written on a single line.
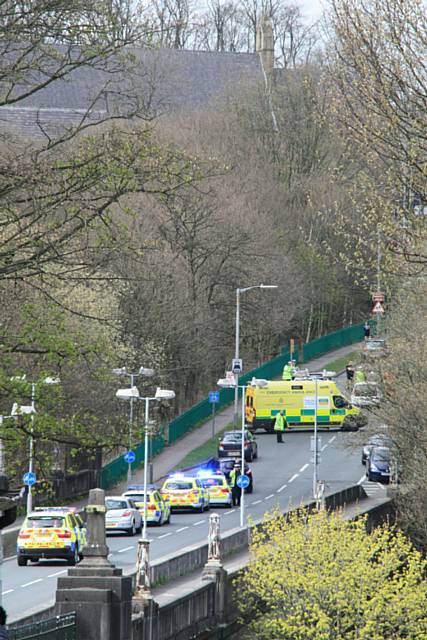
{"points": [[162, 80]]}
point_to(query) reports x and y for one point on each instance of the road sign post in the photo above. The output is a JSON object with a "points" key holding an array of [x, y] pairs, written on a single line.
{"points": [[213, 398]]}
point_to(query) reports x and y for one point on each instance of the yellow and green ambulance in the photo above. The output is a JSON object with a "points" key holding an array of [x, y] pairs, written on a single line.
{"points": [[297, 399]]}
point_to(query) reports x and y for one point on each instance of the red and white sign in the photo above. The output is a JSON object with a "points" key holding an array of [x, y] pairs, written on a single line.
{"points": [[379, 296], [378, 308]]}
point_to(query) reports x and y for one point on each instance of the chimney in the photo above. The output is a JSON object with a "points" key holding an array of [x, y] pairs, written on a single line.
{"points": [[265, 45]]}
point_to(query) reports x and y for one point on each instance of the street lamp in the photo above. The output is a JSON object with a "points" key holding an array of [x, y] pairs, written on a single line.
{"points": [[143, 588], [142, 371], [236, 350], [229, 383], [18, 410]]}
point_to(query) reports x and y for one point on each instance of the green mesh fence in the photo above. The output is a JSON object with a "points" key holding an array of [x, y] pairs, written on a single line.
{"points": [[116, 470]]}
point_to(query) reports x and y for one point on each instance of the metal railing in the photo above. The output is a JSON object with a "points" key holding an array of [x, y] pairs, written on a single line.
{"points": [[58, 628]]}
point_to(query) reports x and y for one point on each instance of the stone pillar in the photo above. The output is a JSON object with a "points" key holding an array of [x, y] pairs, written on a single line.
{"points": [[96, 590], [214, 571], [265, 46]]}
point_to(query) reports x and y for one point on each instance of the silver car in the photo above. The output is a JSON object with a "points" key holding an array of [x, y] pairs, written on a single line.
{"points": [[365, 394], [122, 515]]}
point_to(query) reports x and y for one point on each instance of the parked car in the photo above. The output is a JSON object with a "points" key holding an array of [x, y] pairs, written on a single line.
{"points": [[227, 464], [185, 492], [376, 440], [374, 348], [379, 464], [158, 509], [366, 394], [230, 445], [217, 487], [122, 515]]}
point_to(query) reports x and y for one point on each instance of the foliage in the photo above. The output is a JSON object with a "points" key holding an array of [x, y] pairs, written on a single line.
{"points": [[319, 576]]}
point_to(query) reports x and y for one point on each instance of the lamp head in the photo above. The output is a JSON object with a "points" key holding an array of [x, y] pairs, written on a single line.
{"points": [[21, 409], [127, 394], [164, 394]]}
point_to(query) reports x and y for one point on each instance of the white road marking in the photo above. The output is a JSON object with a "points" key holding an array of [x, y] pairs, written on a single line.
{"points": [[232, 511], [256, 502], [27, 584], [270, 496], [125, 549], [361, 479], [165, 535], [281, 488], [57, 573], [324, 447], [381, 485], [182, 529], [4, 593], [195, 524], [294, 477], [331, 439], [304, 467]]}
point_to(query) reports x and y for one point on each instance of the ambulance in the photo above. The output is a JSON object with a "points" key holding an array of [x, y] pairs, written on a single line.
{"points": [[297, 400]]}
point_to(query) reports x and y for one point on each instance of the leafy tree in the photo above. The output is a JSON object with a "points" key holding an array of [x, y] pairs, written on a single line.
{"points": [[317, 576]]}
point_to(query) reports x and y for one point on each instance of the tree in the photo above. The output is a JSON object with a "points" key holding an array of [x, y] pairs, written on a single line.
{"points": [[316, 575]]}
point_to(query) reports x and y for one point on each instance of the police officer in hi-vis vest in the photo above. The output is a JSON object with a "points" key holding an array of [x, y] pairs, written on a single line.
{"points": [[279, 425]]}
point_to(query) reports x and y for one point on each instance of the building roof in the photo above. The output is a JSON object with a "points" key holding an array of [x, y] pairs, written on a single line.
{"points": [[161, 81]]}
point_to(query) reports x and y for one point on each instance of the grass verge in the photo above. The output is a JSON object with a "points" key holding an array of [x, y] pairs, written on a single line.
{"points": [[207, 450], [340, 363]]}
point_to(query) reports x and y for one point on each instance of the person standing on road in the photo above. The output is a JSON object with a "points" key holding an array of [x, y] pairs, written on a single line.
{"points": [[4, 634], [279, 425], [367, 330], [236, 491], [287, 371], [349, 372]]}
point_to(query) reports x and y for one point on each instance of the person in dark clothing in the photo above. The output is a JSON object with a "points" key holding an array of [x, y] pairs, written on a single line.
{"points": [[367, 330], [236, 492], [4, 635], [349, 372]]}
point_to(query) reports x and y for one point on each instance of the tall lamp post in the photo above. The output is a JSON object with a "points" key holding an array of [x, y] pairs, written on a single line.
{"points": [[227, 384], [143, 587], [237, 338], [18, 410], [147, 373]]}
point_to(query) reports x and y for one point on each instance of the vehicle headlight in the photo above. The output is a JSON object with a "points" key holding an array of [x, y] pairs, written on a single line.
{"points": [[374, 468]]}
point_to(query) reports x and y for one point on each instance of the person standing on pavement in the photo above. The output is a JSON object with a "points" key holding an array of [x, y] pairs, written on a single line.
{"points": [[287, 371], [4, 634], [236, 491], [349, 372], [367, 330], [279, 425]]}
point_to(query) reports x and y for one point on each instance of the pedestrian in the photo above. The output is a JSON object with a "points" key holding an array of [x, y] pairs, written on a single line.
{"points": [[279, 425], [287, 371], [360, 375], [236, 491], [4, 634], [293, 369], [349, 372], [367, 330]]}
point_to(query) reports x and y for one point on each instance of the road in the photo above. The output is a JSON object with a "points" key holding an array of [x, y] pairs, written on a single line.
{"points": [[282, 476]]}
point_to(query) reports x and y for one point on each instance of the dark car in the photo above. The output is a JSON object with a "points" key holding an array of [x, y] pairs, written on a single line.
{"points": [[227, 464], [230, 445], [377, 440], [374, 348], [378, 464]]}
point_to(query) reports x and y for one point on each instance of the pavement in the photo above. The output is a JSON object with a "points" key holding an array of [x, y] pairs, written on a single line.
{"points": [[173, 455]]}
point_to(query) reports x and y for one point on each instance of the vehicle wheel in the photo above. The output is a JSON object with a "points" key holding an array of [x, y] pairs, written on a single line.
{"points": [[22, 562], [73, 560], [363, 461], [369, 476], [139, 530], [250, 489], [132, 530], [249, 457]]}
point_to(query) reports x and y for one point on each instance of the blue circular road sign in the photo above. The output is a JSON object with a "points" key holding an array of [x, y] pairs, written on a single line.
{"points": [[130, 457], [243, 481], [29, 478]]}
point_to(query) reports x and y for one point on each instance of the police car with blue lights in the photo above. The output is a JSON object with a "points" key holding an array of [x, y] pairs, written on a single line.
{"points": [[158, 506]]}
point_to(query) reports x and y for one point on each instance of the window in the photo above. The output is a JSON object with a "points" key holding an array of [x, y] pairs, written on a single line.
{"points": [[340, 402], [45, 522], [179, 486], [116, 504]]}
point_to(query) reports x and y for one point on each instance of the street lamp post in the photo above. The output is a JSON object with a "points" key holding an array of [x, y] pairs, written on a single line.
{"points": [[228, 383], [237, 338], [143, 588], [31, 410], [123, 372]]}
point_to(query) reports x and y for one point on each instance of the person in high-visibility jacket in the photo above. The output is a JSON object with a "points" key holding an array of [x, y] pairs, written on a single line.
{"points": [[360, 375], [287, 371], [279, 425], [236, 492]]}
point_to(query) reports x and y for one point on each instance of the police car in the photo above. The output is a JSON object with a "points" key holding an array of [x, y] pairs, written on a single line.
{"points": [[185, 492], [158, 508], [51, 532], [218, 488]]}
